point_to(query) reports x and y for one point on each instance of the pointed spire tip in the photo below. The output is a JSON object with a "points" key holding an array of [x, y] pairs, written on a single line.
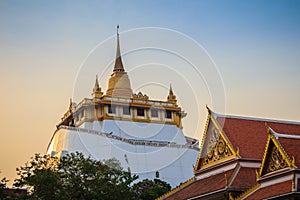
{"points": [[118, 62], [171, 90], [118, 26]]}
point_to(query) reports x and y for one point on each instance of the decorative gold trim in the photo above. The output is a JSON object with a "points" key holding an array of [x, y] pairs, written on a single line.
{"points": [[176, 118], [248, 192], [218, 162], [238, 152], [282, 151], [257, 174], [279, 147], [293, 162], [235, 153], [178, 114], [202, 142], [223, 135], [264, 155], [230, 196]]}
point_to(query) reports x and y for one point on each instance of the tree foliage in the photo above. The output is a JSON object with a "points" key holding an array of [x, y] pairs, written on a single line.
{"points": [[150, 190], [76, 177], [40, 175]]}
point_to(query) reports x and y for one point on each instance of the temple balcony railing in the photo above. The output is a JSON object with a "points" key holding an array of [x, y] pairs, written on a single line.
{"points": [[131, 141]]}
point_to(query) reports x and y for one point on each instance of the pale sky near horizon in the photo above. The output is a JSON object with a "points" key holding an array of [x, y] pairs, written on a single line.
{"points": [[255, 45]]}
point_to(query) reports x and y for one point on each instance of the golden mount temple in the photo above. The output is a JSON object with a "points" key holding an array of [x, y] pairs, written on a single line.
{"points": [[144, 135]]}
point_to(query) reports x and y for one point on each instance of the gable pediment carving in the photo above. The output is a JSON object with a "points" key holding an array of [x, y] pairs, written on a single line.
{"points": [[274, 159], [215, 146]]}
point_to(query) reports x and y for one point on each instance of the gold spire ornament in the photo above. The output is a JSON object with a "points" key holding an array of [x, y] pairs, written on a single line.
{"points": [[171, 96], [119, 83], [118, 62], [97, 93]]}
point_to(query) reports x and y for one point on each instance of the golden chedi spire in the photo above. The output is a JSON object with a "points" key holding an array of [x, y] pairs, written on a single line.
{"points": [[119, 83], [118, 62], [97, 93], [171, 96]]}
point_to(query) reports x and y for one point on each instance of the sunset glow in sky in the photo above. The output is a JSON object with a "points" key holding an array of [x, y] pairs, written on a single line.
{"points": [[254, 44]]}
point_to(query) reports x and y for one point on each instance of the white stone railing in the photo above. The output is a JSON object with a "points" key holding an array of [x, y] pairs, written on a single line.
{"points": [[130, 141], [143, 101]]}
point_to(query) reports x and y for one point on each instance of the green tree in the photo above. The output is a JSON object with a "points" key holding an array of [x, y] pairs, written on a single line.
{"points": [[84, 178], [75, 177], [40, 176], [150, 190]]}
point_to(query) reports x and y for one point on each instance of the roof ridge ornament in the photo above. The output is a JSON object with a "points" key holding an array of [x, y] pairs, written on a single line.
{"points": [[96, 87], [118, 61], [208, 109], [171, 91], [269, 130], [97, 93], [171, 96]]}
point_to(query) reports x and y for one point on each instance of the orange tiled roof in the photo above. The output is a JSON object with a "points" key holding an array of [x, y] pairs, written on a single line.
{"points": [[203, 186], [250, 135], [271, 191], [292, 148], [245, 178]]}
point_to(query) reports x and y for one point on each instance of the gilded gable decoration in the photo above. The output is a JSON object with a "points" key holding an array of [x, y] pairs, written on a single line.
{"points": [[275, 158], [215, 145], [215, 148], [140, 96]]}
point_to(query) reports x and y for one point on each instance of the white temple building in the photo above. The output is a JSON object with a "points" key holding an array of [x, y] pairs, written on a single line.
{"points": [[144, 135]]}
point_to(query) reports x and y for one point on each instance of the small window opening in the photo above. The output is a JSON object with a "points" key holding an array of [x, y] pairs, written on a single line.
{"points": [[140, 112], [111, 109], [168, 114]]}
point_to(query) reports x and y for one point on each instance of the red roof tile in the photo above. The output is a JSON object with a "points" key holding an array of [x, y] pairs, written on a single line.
{"points": [[245, 178], [250, 135], [203, 186], [286, 128], [271, 191], [292, 148]]}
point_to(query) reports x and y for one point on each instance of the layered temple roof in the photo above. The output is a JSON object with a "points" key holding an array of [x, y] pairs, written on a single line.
{"points": [[279, 175], [240, 156]]}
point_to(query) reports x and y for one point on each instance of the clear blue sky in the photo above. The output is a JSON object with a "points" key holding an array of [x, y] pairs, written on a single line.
{"points": [[255, 44]]}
